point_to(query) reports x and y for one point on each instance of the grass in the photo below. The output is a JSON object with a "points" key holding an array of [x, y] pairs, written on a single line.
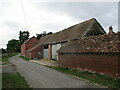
{"points": [[102, 80], [13, 81], [5, 58], [25, 58]]}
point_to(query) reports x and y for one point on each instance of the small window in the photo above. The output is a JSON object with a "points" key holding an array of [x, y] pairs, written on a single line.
{"points": [[46, 47]]}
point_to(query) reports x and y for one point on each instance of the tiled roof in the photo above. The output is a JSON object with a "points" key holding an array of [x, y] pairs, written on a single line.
{"points": [[101, 43], [75, 32], [40, 42]]}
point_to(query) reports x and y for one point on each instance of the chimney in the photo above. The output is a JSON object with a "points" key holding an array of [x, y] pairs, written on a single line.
{"points": [[110, 30]]}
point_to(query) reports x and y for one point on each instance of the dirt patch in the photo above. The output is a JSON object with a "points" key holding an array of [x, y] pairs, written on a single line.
{"points": [[45, 61], [8, 68]]}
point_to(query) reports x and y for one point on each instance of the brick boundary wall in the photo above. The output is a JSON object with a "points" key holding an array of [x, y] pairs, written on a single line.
{"points": [[104, 63]]}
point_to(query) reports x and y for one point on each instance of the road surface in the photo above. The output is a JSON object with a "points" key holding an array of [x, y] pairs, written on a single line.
{"points": [[39, 76]]}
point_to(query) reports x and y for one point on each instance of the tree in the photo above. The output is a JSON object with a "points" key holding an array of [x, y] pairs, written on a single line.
{"points": [[23, 36], [13, 46], [49, 33], [44, 33], [3, 50], [39, 36]]}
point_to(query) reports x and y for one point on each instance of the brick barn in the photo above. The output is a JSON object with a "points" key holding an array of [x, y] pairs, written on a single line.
{"points": [[96, 54], [27, 45], [85, 29], [47, 46], [37, 50]]}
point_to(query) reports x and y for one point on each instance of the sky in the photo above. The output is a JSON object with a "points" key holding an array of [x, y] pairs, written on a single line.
{"points": [[37, 16]]}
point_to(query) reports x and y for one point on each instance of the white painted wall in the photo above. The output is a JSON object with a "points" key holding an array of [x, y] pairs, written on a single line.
{"points": [[55, 47]]}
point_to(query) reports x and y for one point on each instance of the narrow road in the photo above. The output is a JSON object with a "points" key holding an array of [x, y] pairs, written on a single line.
{"points": [[39, 76]]}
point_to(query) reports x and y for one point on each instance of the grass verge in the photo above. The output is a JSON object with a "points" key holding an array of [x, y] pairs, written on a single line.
{"points": [[13, 81], [102, 80], [5, 58], [25, 58]]}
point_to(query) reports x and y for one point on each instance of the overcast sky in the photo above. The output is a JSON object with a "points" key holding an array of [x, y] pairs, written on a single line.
{"points": [[52, 16]]}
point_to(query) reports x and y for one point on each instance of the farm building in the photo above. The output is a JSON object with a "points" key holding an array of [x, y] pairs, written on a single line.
{"points": [[97, 54], [37, 50], [27, 45], [48, 45], [85, 29]]}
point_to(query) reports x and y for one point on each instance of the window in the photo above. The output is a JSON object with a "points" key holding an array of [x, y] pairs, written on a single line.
{"points": [[46, 47]]}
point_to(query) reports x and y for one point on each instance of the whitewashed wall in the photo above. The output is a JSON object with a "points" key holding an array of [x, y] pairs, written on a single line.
{"points": [[55, 47]]}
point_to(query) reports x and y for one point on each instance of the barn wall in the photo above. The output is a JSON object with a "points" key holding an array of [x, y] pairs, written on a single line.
{"points": [[55, 47], [49, 51], [34, 53], [29, 44], [23, 53], [102, 64]]}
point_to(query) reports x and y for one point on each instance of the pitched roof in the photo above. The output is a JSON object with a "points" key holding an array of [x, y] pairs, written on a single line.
{"points": [[75, 32], [40, 42], [101, 43], [29, 39]]}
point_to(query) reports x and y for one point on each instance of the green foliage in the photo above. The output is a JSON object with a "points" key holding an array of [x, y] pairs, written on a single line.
{"points": [[39, 36], [13, 46], [49, 33], [103, 80], [13, 81], [2, 51], [23, 36], [25, 58], [43, 34]]}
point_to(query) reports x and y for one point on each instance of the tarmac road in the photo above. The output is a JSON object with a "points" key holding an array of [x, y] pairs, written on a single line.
{"points": [[39, 76]]}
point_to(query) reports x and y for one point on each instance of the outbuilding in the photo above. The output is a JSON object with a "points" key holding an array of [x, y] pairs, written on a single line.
{"points": [[99, 54], [27, 45], [85, 29]]}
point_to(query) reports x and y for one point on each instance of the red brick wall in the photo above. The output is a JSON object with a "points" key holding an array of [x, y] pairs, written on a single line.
{"points": [[31, 43], [102, 64], [23, 50], [33, 53], [49, 51], [28, 45]]}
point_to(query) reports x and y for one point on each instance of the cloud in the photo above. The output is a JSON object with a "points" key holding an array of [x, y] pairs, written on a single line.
{"points": [[105, 12], [51, 16]]}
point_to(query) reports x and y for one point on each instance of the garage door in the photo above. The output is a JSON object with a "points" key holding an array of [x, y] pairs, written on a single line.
{"points": [[45, 53]]}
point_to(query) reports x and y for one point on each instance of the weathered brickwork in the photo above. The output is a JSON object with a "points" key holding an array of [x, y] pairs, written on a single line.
{"points": [[27, 45], [37, 50], [107, 65], [96, 54]]}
